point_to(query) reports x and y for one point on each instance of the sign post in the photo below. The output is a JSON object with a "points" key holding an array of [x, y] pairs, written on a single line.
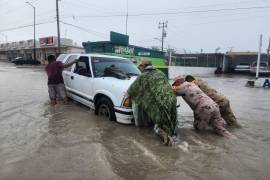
{"points": [[259, 57]]}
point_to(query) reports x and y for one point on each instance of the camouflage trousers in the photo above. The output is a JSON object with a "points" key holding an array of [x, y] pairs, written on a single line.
{"points": [[208, 115], [227, 114]]}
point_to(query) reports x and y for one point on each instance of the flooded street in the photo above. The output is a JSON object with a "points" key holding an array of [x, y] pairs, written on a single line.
{"points": [[38, 141]]}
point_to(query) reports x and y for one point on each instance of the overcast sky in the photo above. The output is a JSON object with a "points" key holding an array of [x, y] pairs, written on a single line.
{"points": [[192, 24]]}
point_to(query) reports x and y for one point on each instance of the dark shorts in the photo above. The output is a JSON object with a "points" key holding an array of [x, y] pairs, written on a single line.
{"points": [[57, 91]]}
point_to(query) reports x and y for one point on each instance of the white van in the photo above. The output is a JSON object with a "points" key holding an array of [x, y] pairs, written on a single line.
{"points": [[101, 82], [264, 67]]}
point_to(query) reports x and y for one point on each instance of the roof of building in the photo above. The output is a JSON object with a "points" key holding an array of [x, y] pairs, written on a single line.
{"points": [[247, 53]]}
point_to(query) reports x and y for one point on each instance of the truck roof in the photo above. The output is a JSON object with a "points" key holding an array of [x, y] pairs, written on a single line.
{"points": [[96, 55]]}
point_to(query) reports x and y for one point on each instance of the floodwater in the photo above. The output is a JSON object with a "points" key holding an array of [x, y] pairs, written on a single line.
{"points": [[38, 141]]}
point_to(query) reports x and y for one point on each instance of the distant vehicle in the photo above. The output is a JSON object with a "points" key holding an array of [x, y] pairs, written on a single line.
{"points": [[16, 59], [21, 61], [242, 67], [264, 67], [101, 82]]}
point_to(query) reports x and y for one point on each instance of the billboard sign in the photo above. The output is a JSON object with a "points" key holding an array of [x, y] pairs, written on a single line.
{"points": [[47, 41], [120, 39]]}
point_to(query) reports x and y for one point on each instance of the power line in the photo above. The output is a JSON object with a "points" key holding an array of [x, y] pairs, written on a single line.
{"points": [[231, 20], [175, 13], [86, 4], [224, 14], [201, 11], [28, 21], [219, 4], [25, 26], [23, 20], [227, 18], [84, 29]]}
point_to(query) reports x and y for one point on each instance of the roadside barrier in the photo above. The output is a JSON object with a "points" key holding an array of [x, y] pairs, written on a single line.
{"points": [[266, 83]]}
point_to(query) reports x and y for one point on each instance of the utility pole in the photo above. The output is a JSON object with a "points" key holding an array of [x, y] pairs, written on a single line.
{"points": [[6, 37], [163, 25], [58, 28], [230, 48], [127, 18], [170, 57], [268, 51], [35, 54]]}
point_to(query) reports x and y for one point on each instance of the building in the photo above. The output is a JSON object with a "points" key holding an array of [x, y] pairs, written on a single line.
{"points": [[207, 63], [198, 60], [232, 59], [119, 46], [198, 64], [44, 47]]}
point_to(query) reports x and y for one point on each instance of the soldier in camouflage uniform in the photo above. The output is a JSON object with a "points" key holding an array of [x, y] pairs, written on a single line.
{"points": [[206, 111], [152, 92], [220, 99]]}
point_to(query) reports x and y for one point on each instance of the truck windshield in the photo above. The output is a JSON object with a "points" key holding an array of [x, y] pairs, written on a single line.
{"points": [[61, 57], [125, 66]]}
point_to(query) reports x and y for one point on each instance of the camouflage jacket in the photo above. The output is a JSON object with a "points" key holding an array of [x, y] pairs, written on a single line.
{"points": [[219, 98], [153, 93], [194, 96]]}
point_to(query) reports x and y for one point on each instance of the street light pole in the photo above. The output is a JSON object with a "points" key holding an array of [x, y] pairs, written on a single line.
{"points": [[35, 55], [127, 19]]}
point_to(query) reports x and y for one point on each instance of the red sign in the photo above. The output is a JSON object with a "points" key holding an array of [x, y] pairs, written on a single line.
{"points": [[46, 41]]}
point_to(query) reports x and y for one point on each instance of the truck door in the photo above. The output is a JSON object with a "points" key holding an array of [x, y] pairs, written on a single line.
{"points": [[81, 81], [67, 71]]}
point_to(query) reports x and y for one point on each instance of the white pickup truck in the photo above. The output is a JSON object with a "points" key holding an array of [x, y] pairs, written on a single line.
{"points": [[101, 82]]}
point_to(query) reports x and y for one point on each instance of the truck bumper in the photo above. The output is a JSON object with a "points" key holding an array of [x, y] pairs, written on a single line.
{"points": [[124, 116]]}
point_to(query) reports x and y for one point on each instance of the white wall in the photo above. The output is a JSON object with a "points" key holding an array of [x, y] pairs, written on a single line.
{"points": [[75, 50], [196, 71], [3, 57]]}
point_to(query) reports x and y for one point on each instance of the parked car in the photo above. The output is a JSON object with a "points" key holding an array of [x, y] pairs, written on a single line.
{"points": [[264, 67], [242, 67], [16, 59], [101, 82], [21, 61]]}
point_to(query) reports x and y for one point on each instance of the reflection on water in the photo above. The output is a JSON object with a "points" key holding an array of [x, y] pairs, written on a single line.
{"points": [[38, 141]]}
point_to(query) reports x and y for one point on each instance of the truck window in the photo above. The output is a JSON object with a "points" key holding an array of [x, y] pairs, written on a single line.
{"points": [[82, 67], [69, 60]]}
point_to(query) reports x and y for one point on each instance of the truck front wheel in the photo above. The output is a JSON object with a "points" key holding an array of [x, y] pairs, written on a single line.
{"points": [[104, 108]]}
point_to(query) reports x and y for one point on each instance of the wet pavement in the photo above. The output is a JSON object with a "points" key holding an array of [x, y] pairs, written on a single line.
{"points": [[38, 141]]}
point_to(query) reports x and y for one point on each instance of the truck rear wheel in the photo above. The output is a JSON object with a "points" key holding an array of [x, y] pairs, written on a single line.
{"points": [[105, 109]]}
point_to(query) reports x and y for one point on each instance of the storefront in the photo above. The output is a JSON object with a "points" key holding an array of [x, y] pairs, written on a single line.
{"points": [[119, 46], [44, 47]]}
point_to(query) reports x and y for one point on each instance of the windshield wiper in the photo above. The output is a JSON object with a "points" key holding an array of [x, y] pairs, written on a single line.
{"points": [[132, 74]]}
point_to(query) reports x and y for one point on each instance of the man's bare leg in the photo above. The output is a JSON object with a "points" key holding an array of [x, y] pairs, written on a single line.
{"points": [[166, 139], [53, 102], [65, 100]]}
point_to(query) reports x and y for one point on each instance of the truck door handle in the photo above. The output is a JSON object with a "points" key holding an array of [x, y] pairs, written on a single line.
{"points": [[72, 77]]}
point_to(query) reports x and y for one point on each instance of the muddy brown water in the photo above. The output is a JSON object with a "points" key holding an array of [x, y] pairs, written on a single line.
{"points": [[38, 141]]}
